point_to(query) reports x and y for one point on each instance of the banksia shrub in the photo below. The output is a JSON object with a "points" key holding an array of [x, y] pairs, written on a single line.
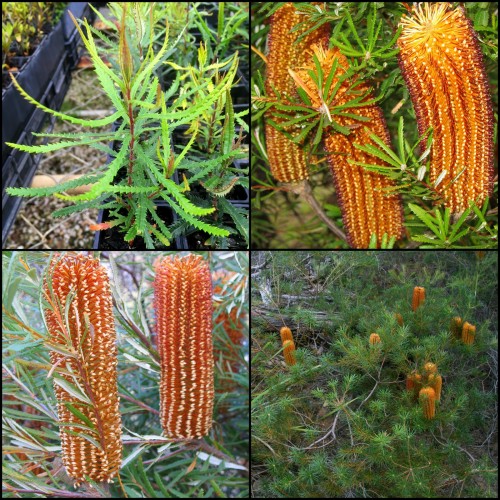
{"points": [[418, 297], [374, 338], [77, 288], [289, 352], [286, 334], [468, 333], [456, 327], [399, 319], [427, 397], [183, 305]]}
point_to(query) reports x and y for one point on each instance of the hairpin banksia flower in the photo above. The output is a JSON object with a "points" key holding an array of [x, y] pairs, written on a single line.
{"points": [[399, 318], [183, 305], [468, 333], [427, 397], [375, 339], [418, 297], [286, 159], [369, 205], [286, 334], [436, 382], [442, 64], [289, 352], [456, 327], [77, 288]]}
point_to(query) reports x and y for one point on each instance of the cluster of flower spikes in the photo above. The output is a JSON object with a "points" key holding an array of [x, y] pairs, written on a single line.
{"points": [[426, 386], [288, 346]]}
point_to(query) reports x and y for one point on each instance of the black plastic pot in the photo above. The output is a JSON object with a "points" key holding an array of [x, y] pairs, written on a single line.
{"points": [[47, 78], [112, 239], [80, 10]]}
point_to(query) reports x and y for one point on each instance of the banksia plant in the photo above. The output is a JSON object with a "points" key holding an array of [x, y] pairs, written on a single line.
{"points": [[418, 297], [430, 368], [399, 319], [456, 327], [468, 333], [80, 324], [427, 397], [442, 64], [183, 306], [368, 208], [286, 159], [286, 334], [374, 338], [289, 352]]}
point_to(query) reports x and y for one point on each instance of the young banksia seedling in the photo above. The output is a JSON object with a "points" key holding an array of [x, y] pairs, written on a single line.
{"points": [[427, 397], [468, 333], [289, 352], [375, 339], [183, 305], [77, 288], [418, 297], [442, 64], [286, 159], [367, 205]]}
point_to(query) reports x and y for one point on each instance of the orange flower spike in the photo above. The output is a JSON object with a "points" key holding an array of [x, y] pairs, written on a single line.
{"points": [[286, 159], [286, 334], [436, 382], [427, 397], [80, 286], [399, 319], [418, 297], [456, 327], [183, 305], [367, 208], [289, 352], [375, 339], [468, 333], [442, 64]]}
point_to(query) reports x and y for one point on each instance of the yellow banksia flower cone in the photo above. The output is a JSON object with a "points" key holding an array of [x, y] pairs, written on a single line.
{"points": [[442, 64], [375, 338], [183, 305], [436, 382], [430, 368], [456, 327], [427, 397], [286, 159], [286, 334], [468, 333], [418, 297], [77, 287], [367, 205], [289, 352]]}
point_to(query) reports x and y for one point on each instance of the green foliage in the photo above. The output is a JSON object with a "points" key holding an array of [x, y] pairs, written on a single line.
{"points": [[341, 423], [153, 465]]}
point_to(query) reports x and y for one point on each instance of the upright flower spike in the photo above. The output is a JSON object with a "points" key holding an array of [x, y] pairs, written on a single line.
{"points": [[436, 382], [468, 333], [368, 206], [77, 288], [430, 368], [183, 305], [289, 352], [399, 319], [375, 339], [442, 64], [418, 297], [286, 334], [286, 159], [456, 327], [427, 397]]}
